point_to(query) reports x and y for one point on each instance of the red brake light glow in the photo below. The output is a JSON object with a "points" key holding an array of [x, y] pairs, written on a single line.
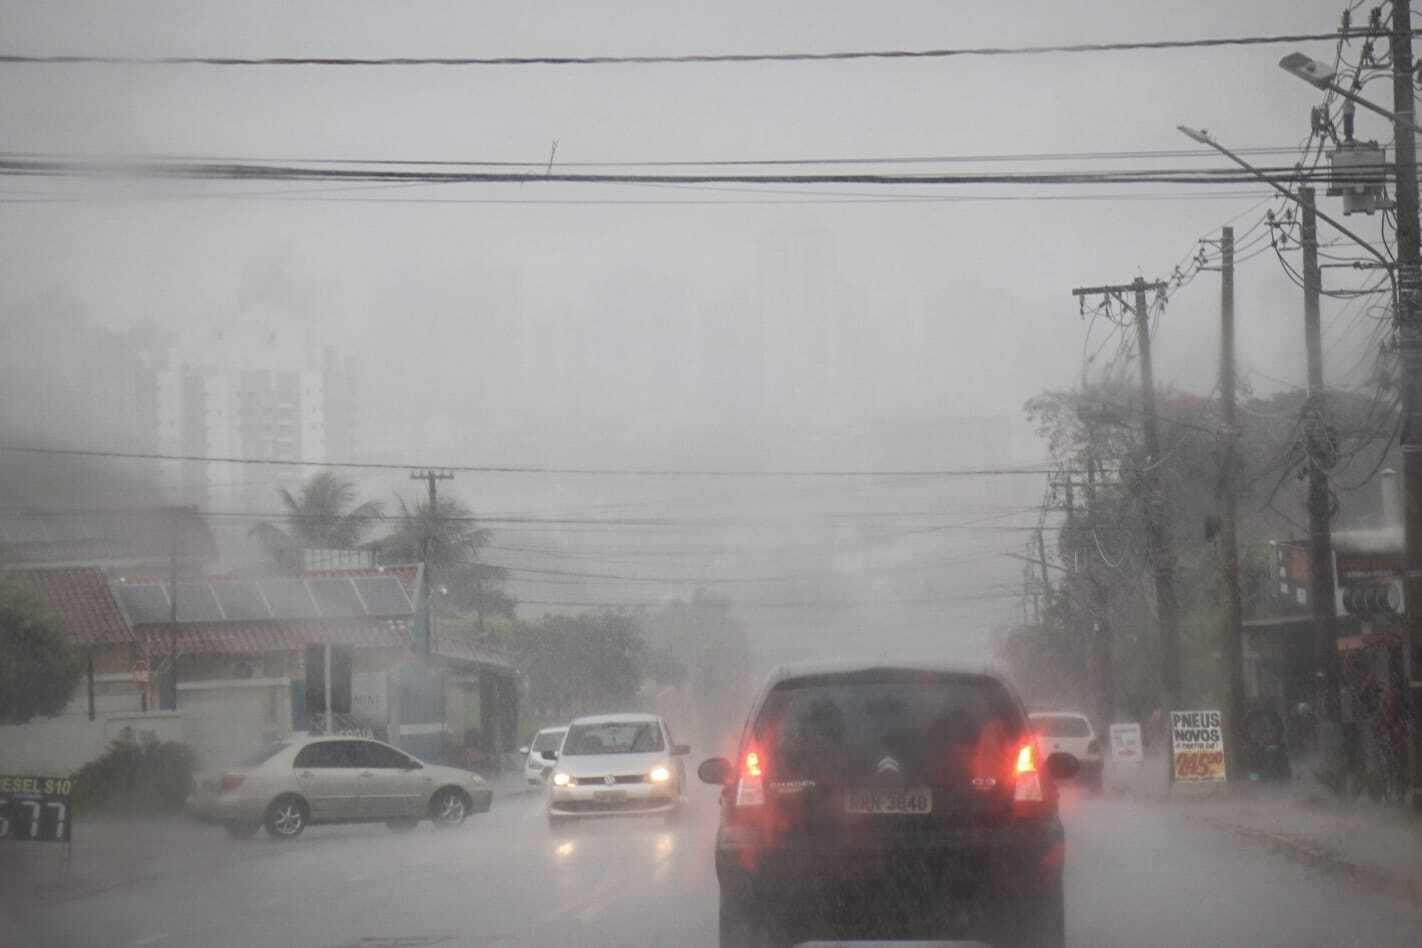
{"points": [[1026, 760], [750, 788], [231, 781]]}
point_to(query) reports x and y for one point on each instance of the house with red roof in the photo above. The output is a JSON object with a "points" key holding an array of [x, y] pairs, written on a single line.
{"points": [[252, 656]]}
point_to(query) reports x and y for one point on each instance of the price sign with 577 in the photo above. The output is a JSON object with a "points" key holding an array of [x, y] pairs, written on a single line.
{"points": [[36, 809]]}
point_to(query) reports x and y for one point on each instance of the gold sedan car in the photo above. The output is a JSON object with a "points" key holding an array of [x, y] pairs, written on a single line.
{"points": [[297, 782]]}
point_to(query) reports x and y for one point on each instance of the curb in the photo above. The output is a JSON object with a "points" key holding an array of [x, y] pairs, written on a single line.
{"points": [[1323, 859]]}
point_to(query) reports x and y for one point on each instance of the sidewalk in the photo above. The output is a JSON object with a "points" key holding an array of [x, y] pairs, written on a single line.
{"points": [[1377, 847]]}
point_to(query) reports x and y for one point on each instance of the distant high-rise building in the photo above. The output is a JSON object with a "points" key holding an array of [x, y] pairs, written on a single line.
{"points": [[284, 412]]}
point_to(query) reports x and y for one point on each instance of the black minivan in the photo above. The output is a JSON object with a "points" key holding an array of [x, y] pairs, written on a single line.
{"points": [[874, 801]]}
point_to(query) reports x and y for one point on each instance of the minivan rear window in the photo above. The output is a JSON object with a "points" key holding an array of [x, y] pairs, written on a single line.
{"points": [[1060, 725], [849, 724]]}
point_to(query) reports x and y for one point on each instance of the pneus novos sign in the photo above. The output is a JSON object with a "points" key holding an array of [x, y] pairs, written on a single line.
{"points": [[1197, 746], [36, 809]]}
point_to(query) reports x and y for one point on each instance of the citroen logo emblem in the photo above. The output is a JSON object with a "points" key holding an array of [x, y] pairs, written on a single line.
{"points": [[888, 766], [609, 780]]}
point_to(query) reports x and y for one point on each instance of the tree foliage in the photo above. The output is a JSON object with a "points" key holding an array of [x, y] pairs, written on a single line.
{"points": [[700, 644], [455, 545], [1095, 433], [38, 669], [575, 664], [136, 777], [322, 515]]}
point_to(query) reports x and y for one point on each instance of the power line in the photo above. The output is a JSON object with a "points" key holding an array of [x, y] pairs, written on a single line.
{"points": [[495, 469], [1020, 157], [267, 172], [978, 51]]}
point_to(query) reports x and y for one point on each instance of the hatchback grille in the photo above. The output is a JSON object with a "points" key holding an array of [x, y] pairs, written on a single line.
{"points": [[629, 805], [602, 781]]}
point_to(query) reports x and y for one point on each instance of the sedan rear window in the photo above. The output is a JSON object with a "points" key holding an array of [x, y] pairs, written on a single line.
{"points": [[259, 757], [929, 723], [1061, 725]]}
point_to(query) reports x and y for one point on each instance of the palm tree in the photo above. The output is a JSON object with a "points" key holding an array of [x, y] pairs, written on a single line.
{"points": [[455, 544], [323, 515]]}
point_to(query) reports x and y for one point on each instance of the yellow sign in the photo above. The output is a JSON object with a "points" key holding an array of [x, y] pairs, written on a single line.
{"points": [[1197, 746]]}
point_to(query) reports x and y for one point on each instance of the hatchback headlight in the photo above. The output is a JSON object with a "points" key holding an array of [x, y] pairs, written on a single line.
{"points": [[561, 779], [659, 774]]}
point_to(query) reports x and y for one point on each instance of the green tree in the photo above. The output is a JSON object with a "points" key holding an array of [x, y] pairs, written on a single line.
{"points": [[455, 546], [700, 643], [575, 664], [323, 515], [38, 670], [1098, 430]]}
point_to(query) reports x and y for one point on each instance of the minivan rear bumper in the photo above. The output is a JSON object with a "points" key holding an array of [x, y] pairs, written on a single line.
{"points": [[1012, 859]]}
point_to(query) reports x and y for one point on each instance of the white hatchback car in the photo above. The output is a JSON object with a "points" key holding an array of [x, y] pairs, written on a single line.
{"points": [[1070, 733], [307, 780], [535, 767], [617, 763]]}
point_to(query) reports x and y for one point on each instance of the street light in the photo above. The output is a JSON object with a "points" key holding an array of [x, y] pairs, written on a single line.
{"points": [[1204, 138], [1321, 76]]}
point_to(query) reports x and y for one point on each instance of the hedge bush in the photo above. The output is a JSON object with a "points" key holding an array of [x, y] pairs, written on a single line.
{"points": [[135, 777]]}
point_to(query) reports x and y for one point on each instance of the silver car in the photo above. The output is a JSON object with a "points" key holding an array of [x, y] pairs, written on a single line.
{"points": [[299, 781], [535, 768], [616, 763]]}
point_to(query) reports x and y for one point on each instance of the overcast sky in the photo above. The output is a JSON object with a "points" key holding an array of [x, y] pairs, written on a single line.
{"points": [[591, 332]]}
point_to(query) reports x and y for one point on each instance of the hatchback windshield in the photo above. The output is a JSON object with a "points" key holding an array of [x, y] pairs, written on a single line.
{"points": [[632, 737]]}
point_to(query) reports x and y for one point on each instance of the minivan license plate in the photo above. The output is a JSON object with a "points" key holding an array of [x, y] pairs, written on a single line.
{"points": [[909, 800]]}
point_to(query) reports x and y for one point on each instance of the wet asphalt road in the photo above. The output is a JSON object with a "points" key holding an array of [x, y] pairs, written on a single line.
{"points": [[1138, 874]]}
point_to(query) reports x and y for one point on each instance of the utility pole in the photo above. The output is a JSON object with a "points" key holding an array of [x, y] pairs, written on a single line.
{"points": [[1157, 533], [1325, 619], [1232, 621], [1101, 643], [1409, 321], [1042, 559], [425, 640], [171, 679]]}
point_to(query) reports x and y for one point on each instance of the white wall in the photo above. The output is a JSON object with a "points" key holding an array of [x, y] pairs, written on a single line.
{"points": [[61, 745]]}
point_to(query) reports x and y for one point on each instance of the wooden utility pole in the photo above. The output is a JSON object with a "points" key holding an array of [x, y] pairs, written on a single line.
{"points": [[1232, 617], [1409, 324], [1319, 452], [171, 679], [1102, 647], [1157, 533], [425, 622]]}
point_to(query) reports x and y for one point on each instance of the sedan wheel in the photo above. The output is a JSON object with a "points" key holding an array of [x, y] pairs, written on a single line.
{"points": [[286, 818], [448, 808]]}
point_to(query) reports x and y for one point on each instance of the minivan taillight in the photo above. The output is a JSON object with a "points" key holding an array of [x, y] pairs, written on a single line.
{"points": [[231, 782], [1027, 783], [750, 787]]}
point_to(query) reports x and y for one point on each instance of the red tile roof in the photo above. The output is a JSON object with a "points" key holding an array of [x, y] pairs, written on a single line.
{"points": [[242, 638], [246, 638], [80, 597]]}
